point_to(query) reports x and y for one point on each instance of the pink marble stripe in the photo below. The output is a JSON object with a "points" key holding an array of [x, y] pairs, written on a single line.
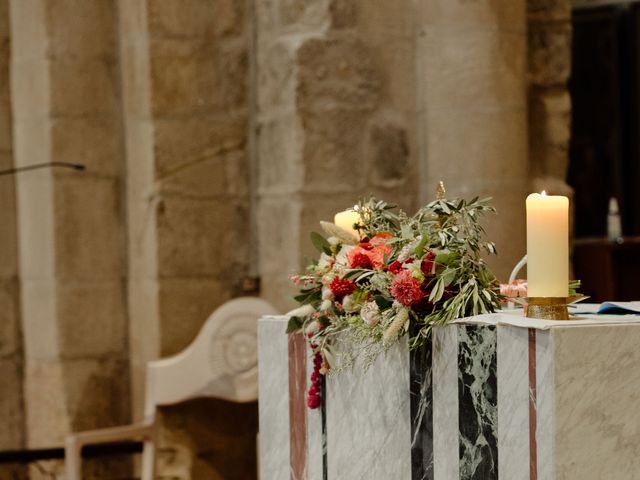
{"points": [[297, 405], [533, 447]]}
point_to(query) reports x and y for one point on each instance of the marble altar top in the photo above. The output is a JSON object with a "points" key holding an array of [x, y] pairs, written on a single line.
{"points": [[516, 318]]}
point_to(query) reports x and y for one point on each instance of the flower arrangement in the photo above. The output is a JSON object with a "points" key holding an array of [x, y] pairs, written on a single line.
{"points": [[390, 275]]}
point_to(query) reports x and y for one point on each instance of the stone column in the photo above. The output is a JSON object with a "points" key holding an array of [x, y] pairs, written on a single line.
{"points": [[65, 98], [11, 399], [335, 120], [185, 83], [472, 80], [549, 25]]}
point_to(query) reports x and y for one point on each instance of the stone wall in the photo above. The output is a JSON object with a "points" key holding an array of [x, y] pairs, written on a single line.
{"points": [[216, 134], [335, 120], [185, 85], [549, 55], [11, 399]]}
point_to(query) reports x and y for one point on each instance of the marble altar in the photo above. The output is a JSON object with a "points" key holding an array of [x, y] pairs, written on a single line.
{"points": [[494, 396]]}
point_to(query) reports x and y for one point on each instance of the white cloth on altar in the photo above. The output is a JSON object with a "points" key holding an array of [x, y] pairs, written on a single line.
{"points": [[516, 318]]}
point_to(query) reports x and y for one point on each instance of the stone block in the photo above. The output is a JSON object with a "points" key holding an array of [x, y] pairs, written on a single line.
{"points": [[136, 84], [8, 232], [550, 54], [550, 120], [47, 419], [82, 86], [28, 29], [550, 10], [91, 319], [334, 150], [6, 140], [389, 154], [29, 90], [280, 143], [35, 213], [302, 13], [4, 19], [494, 146], [398, 59], [177, 18], [11, 405], [9, 317], [199, 237], [82, 29], [473, 69], [74, 395], [266, 19], [233, 68], [88, 227], [276, 76], [191, 153], [505, 14], [94, 142], [344, 14], [184, 77], [39, 326], [341, 73], [380, 19], [186, 303]]}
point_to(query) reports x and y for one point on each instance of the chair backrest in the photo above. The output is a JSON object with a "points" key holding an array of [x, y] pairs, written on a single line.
{"points": [[221, 362]]}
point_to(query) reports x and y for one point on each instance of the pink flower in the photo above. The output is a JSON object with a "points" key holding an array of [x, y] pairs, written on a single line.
{"points": [[406, 289]]}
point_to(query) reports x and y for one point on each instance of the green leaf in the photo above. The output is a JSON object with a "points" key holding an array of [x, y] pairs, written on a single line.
{"points": [[448, 276], [383, 302], [294, 324], [437, 291], [320, 243], [447, 258]]}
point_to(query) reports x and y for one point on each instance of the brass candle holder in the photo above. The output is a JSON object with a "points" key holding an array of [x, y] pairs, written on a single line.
{"points": [[548, 308], [551, 308]]}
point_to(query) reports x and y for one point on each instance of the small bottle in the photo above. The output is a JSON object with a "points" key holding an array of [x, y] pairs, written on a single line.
{"points": [[614, 225]]}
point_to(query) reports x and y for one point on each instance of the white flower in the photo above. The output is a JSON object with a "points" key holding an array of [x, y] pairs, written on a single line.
{"points": [[325, 305], [302, 311], [405, 253], [312, 328], [370, 313], [349, 305], [324, 261], [341, 257], [333, 240], [327, 294]]}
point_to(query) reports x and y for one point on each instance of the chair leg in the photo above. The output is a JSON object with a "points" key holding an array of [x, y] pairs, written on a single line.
{"points": [[73, 459], [149, 457]]}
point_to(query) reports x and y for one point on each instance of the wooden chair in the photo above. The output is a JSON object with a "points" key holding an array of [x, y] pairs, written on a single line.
{"points": [[221, 362]]}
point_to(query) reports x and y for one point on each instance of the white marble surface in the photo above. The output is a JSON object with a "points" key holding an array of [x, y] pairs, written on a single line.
{"points": [[446, 460], [597, 402], [368, 420], [545, 405], [273, 368], [513, 403]]}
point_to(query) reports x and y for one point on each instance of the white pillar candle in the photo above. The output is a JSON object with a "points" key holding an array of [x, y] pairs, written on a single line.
{"points": [[346, 220], [547, 245]]}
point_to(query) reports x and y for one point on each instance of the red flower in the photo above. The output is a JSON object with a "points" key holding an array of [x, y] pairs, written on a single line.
{"points": [[315, 391], [406, 289], [395, 267], [342, 286], [427, 263], [359, 260]]}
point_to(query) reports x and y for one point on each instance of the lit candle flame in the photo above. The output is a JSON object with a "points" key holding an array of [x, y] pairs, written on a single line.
{"points": [[544, 193]]}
